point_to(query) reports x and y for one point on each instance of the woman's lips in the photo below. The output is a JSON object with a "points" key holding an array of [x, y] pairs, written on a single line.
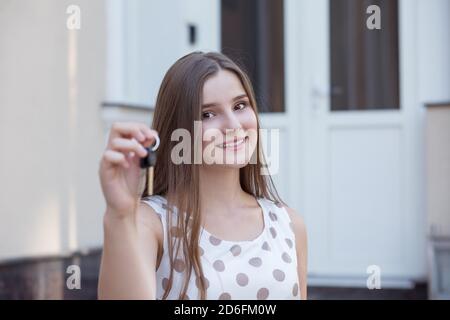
{"points": [[234, 145]]}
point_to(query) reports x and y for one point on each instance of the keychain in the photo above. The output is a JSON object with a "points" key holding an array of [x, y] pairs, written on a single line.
{"points": [[149, 163]]}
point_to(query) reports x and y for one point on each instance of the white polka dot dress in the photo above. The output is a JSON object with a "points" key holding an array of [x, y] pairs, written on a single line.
{"points": [[262, 268]]}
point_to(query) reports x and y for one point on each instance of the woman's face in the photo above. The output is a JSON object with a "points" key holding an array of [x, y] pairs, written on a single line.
{"points": [[228, 121]]}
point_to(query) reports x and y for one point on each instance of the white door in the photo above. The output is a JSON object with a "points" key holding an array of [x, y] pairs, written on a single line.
{"points": [[361, 195]]}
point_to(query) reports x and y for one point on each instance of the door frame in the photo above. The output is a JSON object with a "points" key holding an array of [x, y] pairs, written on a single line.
{"points": [[311, 63]]}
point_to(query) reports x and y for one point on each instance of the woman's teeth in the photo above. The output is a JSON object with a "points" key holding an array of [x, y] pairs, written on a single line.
{"points": [[233, 144]]}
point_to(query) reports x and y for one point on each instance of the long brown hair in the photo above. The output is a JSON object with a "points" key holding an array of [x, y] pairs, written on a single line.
{"points": [[178, 105]]}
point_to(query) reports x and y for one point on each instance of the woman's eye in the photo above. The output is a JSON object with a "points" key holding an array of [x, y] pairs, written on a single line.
{"points": [[240, 106], [207, 115]]}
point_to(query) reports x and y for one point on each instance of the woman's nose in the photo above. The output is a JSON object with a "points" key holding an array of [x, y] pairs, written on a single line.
{"points": [[231, 121]]}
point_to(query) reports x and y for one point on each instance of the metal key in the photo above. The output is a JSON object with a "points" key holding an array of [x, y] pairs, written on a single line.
{"points": [[149, 162]]}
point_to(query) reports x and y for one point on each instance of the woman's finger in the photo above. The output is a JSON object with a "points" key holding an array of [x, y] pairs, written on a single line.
{"points": [[116, 158], [127, 130], [128, 145], [150, 136], [150, 133]]}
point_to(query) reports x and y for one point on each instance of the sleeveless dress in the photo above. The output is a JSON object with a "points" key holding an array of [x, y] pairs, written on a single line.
{"points": [[262, 268]]}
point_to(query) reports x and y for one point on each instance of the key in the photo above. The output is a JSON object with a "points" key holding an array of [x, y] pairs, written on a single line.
{"points": [[149, 162]]}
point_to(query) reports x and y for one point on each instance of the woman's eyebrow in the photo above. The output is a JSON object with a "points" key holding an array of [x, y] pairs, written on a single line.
{"points": [[213, 104]]}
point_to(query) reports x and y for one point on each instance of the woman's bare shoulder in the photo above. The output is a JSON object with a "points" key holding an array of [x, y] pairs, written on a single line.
{"points": [[297, 221], [149, 225], [299, 228]]}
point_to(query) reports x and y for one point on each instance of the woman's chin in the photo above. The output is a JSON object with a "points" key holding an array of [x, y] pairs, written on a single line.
{"points": [[227, 165], [238, 160]]}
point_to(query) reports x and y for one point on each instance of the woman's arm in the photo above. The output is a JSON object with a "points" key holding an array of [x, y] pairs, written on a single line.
{"points": [[128, 266], [302, 250], [130, 247]]}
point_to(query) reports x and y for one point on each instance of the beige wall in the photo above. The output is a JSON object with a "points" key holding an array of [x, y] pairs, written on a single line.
{"points": [[51, 85], [438, 170]]}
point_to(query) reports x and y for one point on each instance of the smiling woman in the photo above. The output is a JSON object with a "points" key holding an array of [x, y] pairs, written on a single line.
{"points": [[212, 230], [227, 115]]}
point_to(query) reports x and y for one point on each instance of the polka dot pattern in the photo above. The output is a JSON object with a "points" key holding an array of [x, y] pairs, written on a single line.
{"points": [[179, 265], [289, 242], [165, 283], [256, 261], [286, 257], [198, 283], [236, 250], [264, 268], [262, 294], [295, 289], [214, 241], [242, 279], [273, 216], [219, 265], [278, 274], [225, 296], [273, 232]]}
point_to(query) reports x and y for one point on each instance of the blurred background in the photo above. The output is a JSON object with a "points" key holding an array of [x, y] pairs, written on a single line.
{"points": [[360, 94]]}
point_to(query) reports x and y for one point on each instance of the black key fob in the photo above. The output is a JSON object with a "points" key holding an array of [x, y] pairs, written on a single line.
{"points": [[149, 160]]}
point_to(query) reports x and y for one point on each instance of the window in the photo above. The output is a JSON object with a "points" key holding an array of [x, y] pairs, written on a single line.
{"points": [[364, 63], [252, 35]]}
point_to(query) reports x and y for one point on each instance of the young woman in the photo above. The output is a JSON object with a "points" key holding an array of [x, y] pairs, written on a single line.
{"points": [[213, 229]]}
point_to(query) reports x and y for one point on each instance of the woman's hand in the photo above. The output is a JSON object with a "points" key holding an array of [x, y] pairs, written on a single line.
{"points": [[119, 166]]}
